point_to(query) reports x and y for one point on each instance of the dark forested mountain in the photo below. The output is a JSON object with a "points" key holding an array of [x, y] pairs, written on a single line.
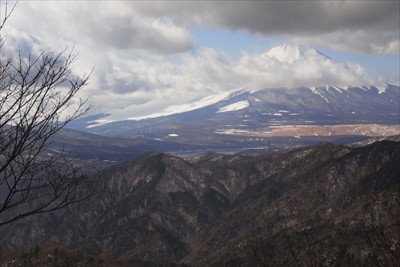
{"points": [[316, 206]]}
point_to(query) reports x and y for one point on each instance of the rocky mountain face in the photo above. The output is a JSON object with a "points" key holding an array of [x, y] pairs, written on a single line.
{"points": [[321, 205]]}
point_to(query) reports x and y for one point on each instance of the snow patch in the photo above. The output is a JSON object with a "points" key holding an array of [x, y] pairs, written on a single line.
{"points": [[235, 106], [96, 123], [174, 109], [315, 91], [231, 131], [173, 135], [204, 102], [382, 88], [337, 89]]}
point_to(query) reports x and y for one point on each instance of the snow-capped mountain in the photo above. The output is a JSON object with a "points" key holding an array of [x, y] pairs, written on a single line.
{"points": [[294, 53], [236, 118], [262, 110], [285, 65]]}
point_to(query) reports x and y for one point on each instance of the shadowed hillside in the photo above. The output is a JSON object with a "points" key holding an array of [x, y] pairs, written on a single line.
{"points": [[317, 206]]}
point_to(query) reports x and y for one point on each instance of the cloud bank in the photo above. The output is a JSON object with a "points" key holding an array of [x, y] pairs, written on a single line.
{"points": [[144, 57], [159, 84], [352, 26]]}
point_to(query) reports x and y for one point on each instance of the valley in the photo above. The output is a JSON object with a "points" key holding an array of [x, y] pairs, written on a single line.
{"points": [[299, 131]]}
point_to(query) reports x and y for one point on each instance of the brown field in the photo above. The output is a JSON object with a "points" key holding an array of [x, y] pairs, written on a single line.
{"points": [[321, 130]]}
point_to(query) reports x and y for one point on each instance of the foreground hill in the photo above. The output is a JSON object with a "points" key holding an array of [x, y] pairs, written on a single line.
{"points": [[322, 205]]}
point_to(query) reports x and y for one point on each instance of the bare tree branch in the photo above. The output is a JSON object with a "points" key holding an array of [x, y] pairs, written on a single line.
{"points": [[36, 98]]}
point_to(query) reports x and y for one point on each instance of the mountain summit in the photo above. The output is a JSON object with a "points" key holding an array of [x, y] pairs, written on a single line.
{"points": [[284, 66], [294, 53]]}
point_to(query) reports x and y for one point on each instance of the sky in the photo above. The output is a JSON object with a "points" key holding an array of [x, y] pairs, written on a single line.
{"points": [[151, 56]]}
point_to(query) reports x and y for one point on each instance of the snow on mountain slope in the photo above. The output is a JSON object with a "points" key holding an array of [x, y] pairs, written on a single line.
{"points": [[121, 114], [265, 107], [283, 66], [261, 109], [295, 53], [235, 106], [317, 92]]}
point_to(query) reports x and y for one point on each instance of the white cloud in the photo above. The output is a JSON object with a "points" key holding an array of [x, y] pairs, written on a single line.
{"points": [[161, 86], [143, 55], [100, 25]]}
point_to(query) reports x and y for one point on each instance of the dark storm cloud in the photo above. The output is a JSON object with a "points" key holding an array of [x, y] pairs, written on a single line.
{"points": [[271, 17], [361, 26]]}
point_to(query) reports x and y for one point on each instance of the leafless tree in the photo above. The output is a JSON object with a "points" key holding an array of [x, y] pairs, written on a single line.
{"points": [[35, 94]]}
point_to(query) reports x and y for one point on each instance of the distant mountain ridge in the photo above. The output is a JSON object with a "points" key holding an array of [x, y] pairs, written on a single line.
{"points": [[304, 66], [261, 120], [258, 110]]}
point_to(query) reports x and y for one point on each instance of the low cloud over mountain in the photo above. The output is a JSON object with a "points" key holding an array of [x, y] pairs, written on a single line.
{"points": [[149, 56], [165, 87], [144, 87]]}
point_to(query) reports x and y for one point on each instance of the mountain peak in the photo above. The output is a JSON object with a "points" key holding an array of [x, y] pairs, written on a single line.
{"points": [[291, 53]]}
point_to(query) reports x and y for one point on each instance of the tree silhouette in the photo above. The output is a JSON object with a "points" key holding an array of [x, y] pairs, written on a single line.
{"points": [[36, 97]]}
